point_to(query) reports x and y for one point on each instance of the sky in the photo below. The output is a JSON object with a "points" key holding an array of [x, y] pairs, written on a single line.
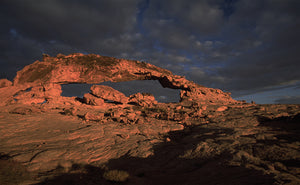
{"points": [[247, 47]]}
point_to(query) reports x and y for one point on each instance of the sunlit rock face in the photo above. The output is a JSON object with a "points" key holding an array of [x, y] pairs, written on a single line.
{"points": [[142, 99], [5, 83], [94, 69], [108, 93]]}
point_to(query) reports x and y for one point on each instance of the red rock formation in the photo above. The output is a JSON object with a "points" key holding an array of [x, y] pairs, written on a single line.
{"points": [[7, 94], [94, 117], [38, 94], [92, 100], [197, 93], [79, 68], [142, 99], [5, 83], [108, 93], [92, 69], [51, 90]]}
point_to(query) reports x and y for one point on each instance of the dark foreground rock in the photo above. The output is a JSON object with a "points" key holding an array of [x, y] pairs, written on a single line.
{"points": [[250, 144]]}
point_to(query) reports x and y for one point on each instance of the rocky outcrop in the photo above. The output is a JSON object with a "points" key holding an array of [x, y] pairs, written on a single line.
{"points": [[206, 95], [5, 83], [92, 100], [94, 116], [79, 68], [38, 94], [93, 69], [51, 90], [29, 93], [100, 94], [7, 94], [25, 110], [108, 93], [142, 99]]}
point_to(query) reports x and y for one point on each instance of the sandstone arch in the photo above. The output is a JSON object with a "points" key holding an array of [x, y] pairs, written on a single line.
{"points": [[94, 69], [161, 94]]}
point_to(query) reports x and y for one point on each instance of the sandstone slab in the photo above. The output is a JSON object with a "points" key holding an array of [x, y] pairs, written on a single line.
{"points": [[108, 93], [92, 100]]}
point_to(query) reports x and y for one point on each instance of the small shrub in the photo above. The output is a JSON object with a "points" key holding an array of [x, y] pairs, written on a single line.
{"points": [[116, 175]]}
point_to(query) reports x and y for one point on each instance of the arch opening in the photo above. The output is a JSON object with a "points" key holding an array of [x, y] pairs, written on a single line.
{"points": [[161, 94]]}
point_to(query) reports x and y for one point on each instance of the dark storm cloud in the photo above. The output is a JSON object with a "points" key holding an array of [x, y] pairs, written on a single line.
{"points": [[15, 52], [259, 49], [288, 100], [197, 16], [71, 21], [174, 24], [274, 61], [30, 28]]}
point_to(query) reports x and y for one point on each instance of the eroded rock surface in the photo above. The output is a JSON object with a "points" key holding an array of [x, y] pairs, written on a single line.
{"points": [[243, 143]]}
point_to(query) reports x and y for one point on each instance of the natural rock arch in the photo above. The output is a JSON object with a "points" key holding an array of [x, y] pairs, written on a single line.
{"points": [[94, 69]]}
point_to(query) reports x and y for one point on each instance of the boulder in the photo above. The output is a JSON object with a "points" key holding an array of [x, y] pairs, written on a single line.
{"points": [[197, 93], [8, 94], [222, 108], [132, 117], [52, 90], [92, 100], [38, 94], [70, 111], [33, 95], [94, 116], [5, 83], [142, 99], [25, 110], [108, 93]]}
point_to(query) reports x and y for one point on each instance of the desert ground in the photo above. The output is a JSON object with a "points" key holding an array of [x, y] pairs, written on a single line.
{"points": [[244, 144]]}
